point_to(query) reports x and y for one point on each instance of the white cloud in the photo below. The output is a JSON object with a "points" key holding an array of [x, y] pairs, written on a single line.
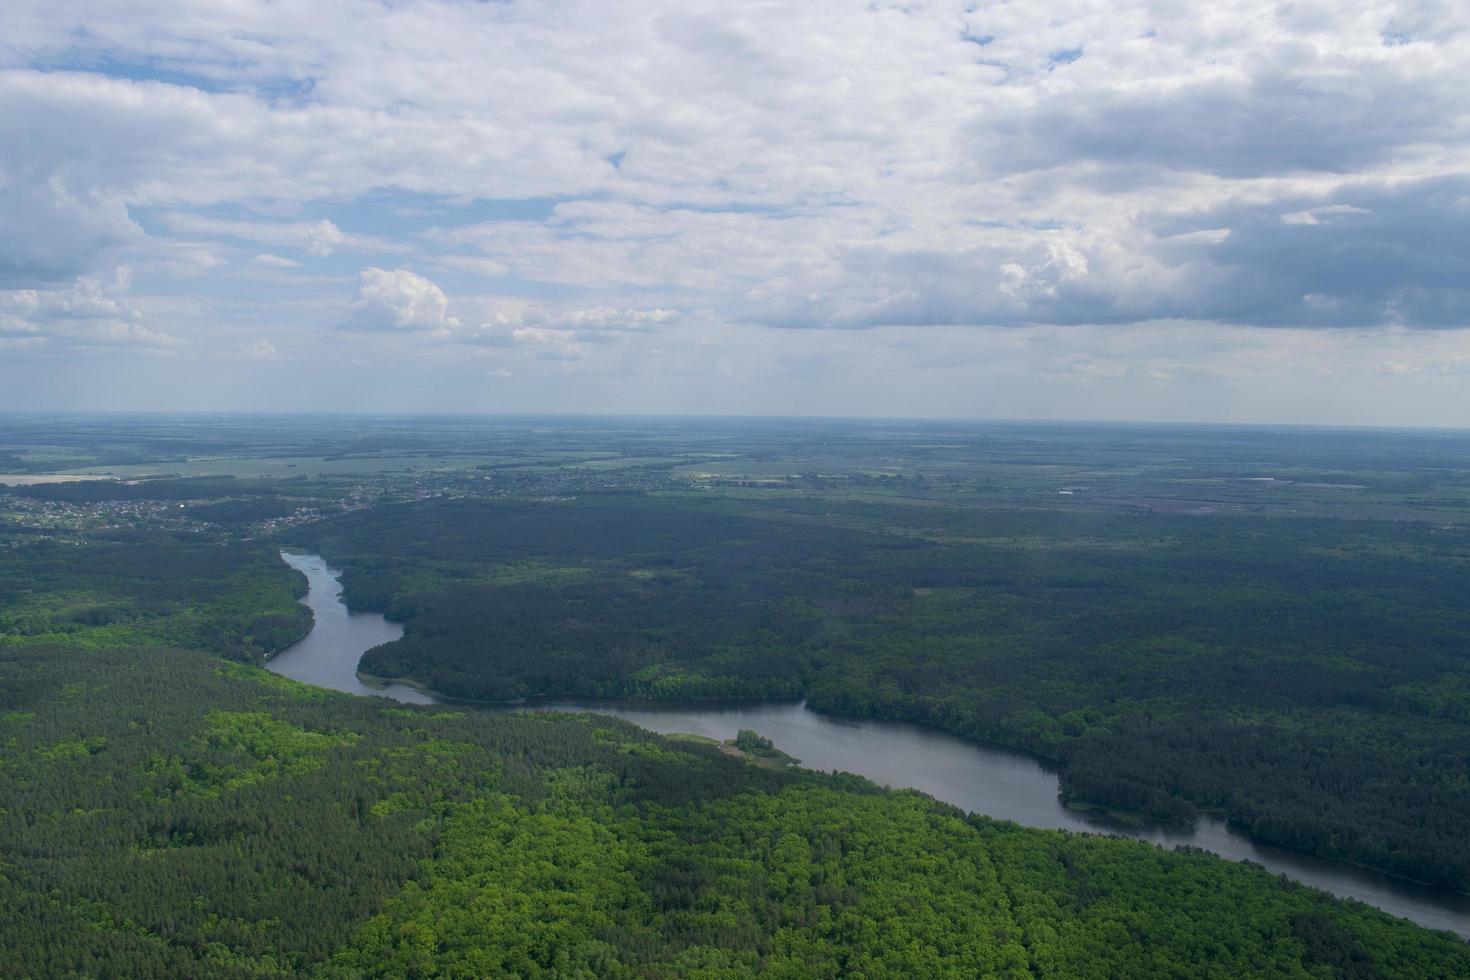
{"points": [[315, 238], [837, 163], [177, 259], [89, 313], [275, 261], [399, 300], [598, 318], [562, 331], [794, 138], [1315, 216]]}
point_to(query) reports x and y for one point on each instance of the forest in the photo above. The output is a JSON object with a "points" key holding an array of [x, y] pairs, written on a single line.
{"points": [[230, 598], [167, 813], [1307, 678], [1172, 638]]}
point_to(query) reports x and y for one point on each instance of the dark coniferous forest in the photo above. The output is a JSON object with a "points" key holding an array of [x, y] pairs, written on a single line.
{"points": [[1307, 678]]}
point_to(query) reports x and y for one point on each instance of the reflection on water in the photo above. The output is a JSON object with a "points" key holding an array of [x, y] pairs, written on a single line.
{"points": [[975, 777]]}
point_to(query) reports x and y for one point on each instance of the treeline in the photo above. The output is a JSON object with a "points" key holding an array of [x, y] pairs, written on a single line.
{"points": [[167, 814], [1311, 679]]}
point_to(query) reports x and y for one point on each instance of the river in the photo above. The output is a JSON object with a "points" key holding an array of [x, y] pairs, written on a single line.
{"points": [[328, 656], [976, 777]]}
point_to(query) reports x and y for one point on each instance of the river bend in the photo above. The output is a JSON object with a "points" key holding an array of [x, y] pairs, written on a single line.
{"points": [[976, 777]]}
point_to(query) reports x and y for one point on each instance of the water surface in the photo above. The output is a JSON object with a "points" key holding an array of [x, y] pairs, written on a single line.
{"points": [[328, 656], [1004, 784], [976, 777]]}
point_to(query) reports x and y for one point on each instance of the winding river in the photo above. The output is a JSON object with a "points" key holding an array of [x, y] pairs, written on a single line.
{"points": [[976, 777], [328, 656]]}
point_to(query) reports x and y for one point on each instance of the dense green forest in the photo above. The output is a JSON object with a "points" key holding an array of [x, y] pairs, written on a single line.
{"points": [[168, 814], [1309, 678], [169, 809], [234, 599]]}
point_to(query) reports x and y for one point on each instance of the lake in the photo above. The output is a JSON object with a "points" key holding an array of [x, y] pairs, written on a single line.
{"points": [[976, 777]]}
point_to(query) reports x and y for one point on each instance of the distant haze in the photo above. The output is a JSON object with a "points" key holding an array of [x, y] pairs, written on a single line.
{"points": [[1247, 211]]}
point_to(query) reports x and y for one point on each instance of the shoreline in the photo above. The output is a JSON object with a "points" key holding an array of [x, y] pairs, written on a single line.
{"points": [[1135, 826], [1127, 822]]}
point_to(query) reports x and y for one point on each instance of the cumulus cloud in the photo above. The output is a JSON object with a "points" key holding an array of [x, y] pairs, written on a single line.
{"points": [[764, 159], [572, 173], [400, 301], [91, 312]]}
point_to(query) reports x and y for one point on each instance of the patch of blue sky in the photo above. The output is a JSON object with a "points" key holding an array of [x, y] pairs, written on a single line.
{"points": [[316, 293], [385, 211], [730, 207], [1033, 224], [390, 211], [141, 71], [210, 75]]}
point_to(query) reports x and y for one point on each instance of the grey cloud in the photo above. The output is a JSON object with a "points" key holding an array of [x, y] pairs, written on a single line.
{"points": [[52, 234], [1426, 20], [828, 165], [1048, 280], [1270, 124], [1369, 254]]}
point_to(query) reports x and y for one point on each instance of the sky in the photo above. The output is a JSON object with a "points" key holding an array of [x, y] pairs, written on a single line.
{"points": [[1237, 211]]}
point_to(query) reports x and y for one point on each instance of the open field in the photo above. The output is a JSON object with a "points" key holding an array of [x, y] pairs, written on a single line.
{"points": [[33, 480]]}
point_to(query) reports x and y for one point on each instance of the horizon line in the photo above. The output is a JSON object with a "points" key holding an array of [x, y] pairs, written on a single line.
{"points": [[696, 416]]}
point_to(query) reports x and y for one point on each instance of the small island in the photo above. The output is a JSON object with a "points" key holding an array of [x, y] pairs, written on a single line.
{"points": [[757, 748], [748, 745]]}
